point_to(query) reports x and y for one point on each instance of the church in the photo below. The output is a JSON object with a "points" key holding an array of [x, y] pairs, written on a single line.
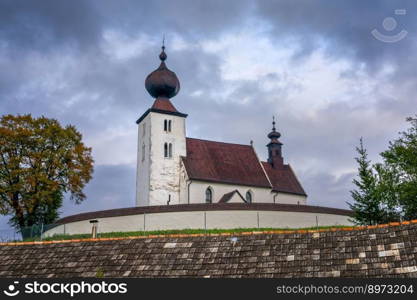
{"points": [[175, 169], [189, 183]]}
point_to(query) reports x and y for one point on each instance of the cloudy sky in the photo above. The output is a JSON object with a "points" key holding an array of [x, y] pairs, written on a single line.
{"points": [[313, 64]]}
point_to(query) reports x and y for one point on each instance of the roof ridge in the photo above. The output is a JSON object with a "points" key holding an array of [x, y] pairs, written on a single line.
{"points": [[211, 141], [225, 198], [301, 231]]}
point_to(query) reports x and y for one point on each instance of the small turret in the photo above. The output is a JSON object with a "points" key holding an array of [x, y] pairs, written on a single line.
{"points": [[275, 147]]}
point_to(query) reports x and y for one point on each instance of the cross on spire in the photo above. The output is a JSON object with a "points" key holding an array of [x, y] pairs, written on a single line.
{"points": [[163, 55]]}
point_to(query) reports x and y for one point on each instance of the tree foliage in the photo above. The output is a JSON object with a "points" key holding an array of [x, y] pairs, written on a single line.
{"points": [[401, 161], [366, 207], [387, 191], [40, 161]]}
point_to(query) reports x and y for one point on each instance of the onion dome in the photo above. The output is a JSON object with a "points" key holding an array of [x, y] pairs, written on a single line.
{"points": [[274, 135], [162, 83]]}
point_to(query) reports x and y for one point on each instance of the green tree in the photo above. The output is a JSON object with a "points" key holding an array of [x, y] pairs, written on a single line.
{"points": [[367, 206], [401, 162], [40, 161], [387, 191]]}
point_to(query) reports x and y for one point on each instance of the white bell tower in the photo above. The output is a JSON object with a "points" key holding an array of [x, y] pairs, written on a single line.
{"points": [[161, 141]]}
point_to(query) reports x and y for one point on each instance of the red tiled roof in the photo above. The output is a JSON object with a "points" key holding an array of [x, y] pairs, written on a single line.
{"points": [[224, 162], [226, 197], [283, 179], [164, 104]]}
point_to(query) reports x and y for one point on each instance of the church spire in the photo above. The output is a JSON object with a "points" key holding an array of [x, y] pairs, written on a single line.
{"points": [[162, 83], [275, 147], [163, 55]]}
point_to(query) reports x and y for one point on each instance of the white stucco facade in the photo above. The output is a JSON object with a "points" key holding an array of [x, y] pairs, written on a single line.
{"points": [[159, 152], [197, 192], [290, 198]]}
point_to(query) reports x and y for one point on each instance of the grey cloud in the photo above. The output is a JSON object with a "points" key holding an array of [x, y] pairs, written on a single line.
{"points": [[344, 27], [193, 19], [46, 24], [337, 189], [112, 95]]}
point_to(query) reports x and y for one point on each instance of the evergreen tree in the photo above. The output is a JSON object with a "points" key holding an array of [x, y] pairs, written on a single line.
{"points": [[366, 208], [387, 191]]}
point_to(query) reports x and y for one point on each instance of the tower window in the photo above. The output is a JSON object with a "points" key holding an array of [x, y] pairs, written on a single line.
{"points": [[248, 197], [209, 195], [167, 125], [167, 150], [143, 151], [170, 150], [143, 129]]}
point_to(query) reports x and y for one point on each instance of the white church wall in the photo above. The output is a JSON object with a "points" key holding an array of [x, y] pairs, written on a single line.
{"points": [[204, 220], [290, 199], [198, 191], [164, 172], [260, 195]]}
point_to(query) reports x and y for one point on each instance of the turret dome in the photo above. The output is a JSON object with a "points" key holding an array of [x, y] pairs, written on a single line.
{"points": [[162, 83]]}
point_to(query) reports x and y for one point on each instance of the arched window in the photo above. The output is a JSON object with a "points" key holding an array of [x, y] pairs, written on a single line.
{"points": [[248, 197], [170, 150], [169, 125], [165, 125], [165, 150], [209, 195]]}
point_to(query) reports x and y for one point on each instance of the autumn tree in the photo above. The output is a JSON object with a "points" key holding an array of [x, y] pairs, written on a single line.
{"points": [[40, 161]]}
